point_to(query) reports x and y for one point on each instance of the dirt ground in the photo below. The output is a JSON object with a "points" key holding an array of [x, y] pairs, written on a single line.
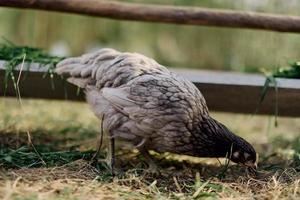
{"points": [[54, 162]]}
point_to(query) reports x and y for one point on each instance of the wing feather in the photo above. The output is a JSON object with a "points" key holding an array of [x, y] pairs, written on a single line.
{"points": [[118, 97]]}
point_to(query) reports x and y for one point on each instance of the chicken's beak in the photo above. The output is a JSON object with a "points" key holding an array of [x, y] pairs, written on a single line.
{"points": [[251, 165]]}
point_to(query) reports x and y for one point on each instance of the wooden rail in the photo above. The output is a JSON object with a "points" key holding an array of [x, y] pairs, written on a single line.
{"points": [[223, 91], [166, 14]]}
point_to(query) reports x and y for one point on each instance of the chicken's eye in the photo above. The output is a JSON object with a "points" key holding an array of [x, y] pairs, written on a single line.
{"points": [[246, 156], [236, 155]]}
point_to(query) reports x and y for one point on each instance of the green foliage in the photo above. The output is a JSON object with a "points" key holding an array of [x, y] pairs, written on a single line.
{"points": [[292, 71], [25, 157], [270, 82], [15, 55]]}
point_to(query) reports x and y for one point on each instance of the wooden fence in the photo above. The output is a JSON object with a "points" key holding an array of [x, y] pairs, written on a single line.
{"points": [[223, 91]]}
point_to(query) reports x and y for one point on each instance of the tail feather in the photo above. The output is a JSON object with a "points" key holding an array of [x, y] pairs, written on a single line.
{"points": [[101, 55], [81, 70], [84, 65], [107, 68]]}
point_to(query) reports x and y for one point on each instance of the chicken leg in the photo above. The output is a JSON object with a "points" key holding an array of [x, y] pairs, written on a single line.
{"points": [[96, 155], [153, 168], [111, 153]]}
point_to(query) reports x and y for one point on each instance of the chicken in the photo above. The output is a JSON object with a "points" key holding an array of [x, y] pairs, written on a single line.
{"points": [[142, 102]]}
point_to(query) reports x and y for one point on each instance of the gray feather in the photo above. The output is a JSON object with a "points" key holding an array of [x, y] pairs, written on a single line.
{"points": [[139, 97]]}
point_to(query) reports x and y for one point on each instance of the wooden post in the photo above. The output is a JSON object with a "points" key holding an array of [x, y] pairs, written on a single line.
{"points": [[166, 14]]}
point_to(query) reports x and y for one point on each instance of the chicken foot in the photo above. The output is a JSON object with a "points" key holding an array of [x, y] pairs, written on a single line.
{"points": [[111, 150], [153, 168]]}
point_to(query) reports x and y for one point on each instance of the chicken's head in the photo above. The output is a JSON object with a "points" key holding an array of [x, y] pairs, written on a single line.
{"points": [[244, 154]]}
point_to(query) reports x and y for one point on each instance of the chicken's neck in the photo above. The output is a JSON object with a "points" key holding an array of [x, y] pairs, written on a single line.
{"points": [[213, 139]]}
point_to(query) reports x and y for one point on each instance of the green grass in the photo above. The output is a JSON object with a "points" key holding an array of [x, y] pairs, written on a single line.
{"points": [[16, 55], [291, 71], [296, 156], [25, 157], [65, 138]]}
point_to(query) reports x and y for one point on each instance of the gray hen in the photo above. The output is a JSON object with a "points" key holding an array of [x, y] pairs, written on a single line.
{"points": [[154, 109]]}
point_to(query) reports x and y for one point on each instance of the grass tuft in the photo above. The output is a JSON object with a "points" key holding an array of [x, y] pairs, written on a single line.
{"points": [[28, 158], [291, 71], [15, 55]]}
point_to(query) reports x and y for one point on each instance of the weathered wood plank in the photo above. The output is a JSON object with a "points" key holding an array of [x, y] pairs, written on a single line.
{"points": [[37, 84], [166, 14], [240, 93], [223, 91]]}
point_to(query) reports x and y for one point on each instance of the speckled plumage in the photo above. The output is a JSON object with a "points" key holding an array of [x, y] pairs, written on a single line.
{"points": [[149, 106]]}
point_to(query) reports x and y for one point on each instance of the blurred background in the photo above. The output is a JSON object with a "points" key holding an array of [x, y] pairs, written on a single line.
{"points": [[172, 45], [65, 125]]}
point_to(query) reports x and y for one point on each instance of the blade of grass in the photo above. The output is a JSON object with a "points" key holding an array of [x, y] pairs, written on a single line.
{"points": [[35, 150]]}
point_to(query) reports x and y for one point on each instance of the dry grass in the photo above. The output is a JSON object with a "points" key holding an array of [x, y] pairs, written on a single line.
{"points": [[57, 126]]}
